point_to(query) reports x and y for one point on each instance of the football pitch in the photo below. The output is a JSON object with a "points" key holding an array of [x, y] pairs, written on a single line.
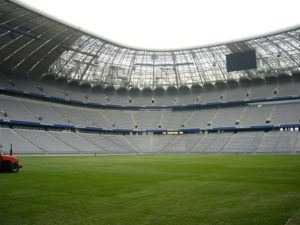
{"points": [[152, 190]]}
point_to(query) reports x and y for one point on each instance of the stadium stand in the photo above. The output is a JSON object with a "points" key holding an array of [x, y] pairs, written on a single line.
{"points": [[56, 142], [20, 109], [45, 141], [20, 144]]}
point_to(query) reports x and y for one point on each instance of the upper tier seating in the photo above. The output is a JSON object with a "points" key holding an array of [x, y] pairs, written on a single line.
{"points": [[252, 91]]}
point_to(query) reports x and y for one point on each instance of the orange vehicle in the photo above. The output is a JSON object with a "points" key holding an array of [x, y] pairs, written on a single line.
{"points": [[9, 163]]}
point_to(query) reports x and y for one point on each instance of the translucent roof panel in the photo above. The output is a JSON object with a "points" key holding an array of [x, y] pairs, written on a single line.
{"points": [[103, 62]]}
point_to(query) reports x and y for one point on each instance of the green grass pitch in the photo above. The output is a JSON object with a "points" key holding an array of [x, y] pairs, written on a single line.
{"points": [[152, 190]]}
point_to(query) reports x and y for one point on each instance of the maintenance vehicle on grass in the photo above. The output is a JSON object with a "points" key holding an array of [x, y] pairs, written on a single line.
{"points": [[9, 163]]}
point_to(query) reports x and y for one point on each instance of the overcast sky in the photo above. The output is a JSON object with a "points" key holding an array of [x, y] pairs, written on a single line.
{"points": [[173, 24]]}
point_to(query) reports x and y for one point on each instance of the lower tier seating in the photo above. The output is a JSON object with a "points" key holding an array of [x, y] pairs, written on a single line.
{"points": [[27, 141]]}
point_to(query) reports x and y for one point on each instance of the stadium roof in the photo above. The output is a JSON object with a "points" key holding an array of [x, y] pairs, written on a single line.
{"points": [[33, 44], [171, 24]]}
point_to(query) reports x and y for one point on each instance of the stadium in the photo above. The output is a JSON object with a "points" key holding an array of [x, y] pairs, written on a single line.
{"points": [[109, 134]]}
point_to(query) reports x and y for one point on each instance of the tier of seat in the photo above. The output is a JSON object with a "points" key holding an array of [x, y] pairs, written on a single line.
{"points": [[255, 91], [54, 142], [20, 109]]}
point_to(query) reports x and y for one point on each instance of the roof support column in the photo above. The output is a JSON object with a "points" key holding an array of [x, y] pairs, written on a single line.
{"points": [[131, 68], [175, 69]]}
